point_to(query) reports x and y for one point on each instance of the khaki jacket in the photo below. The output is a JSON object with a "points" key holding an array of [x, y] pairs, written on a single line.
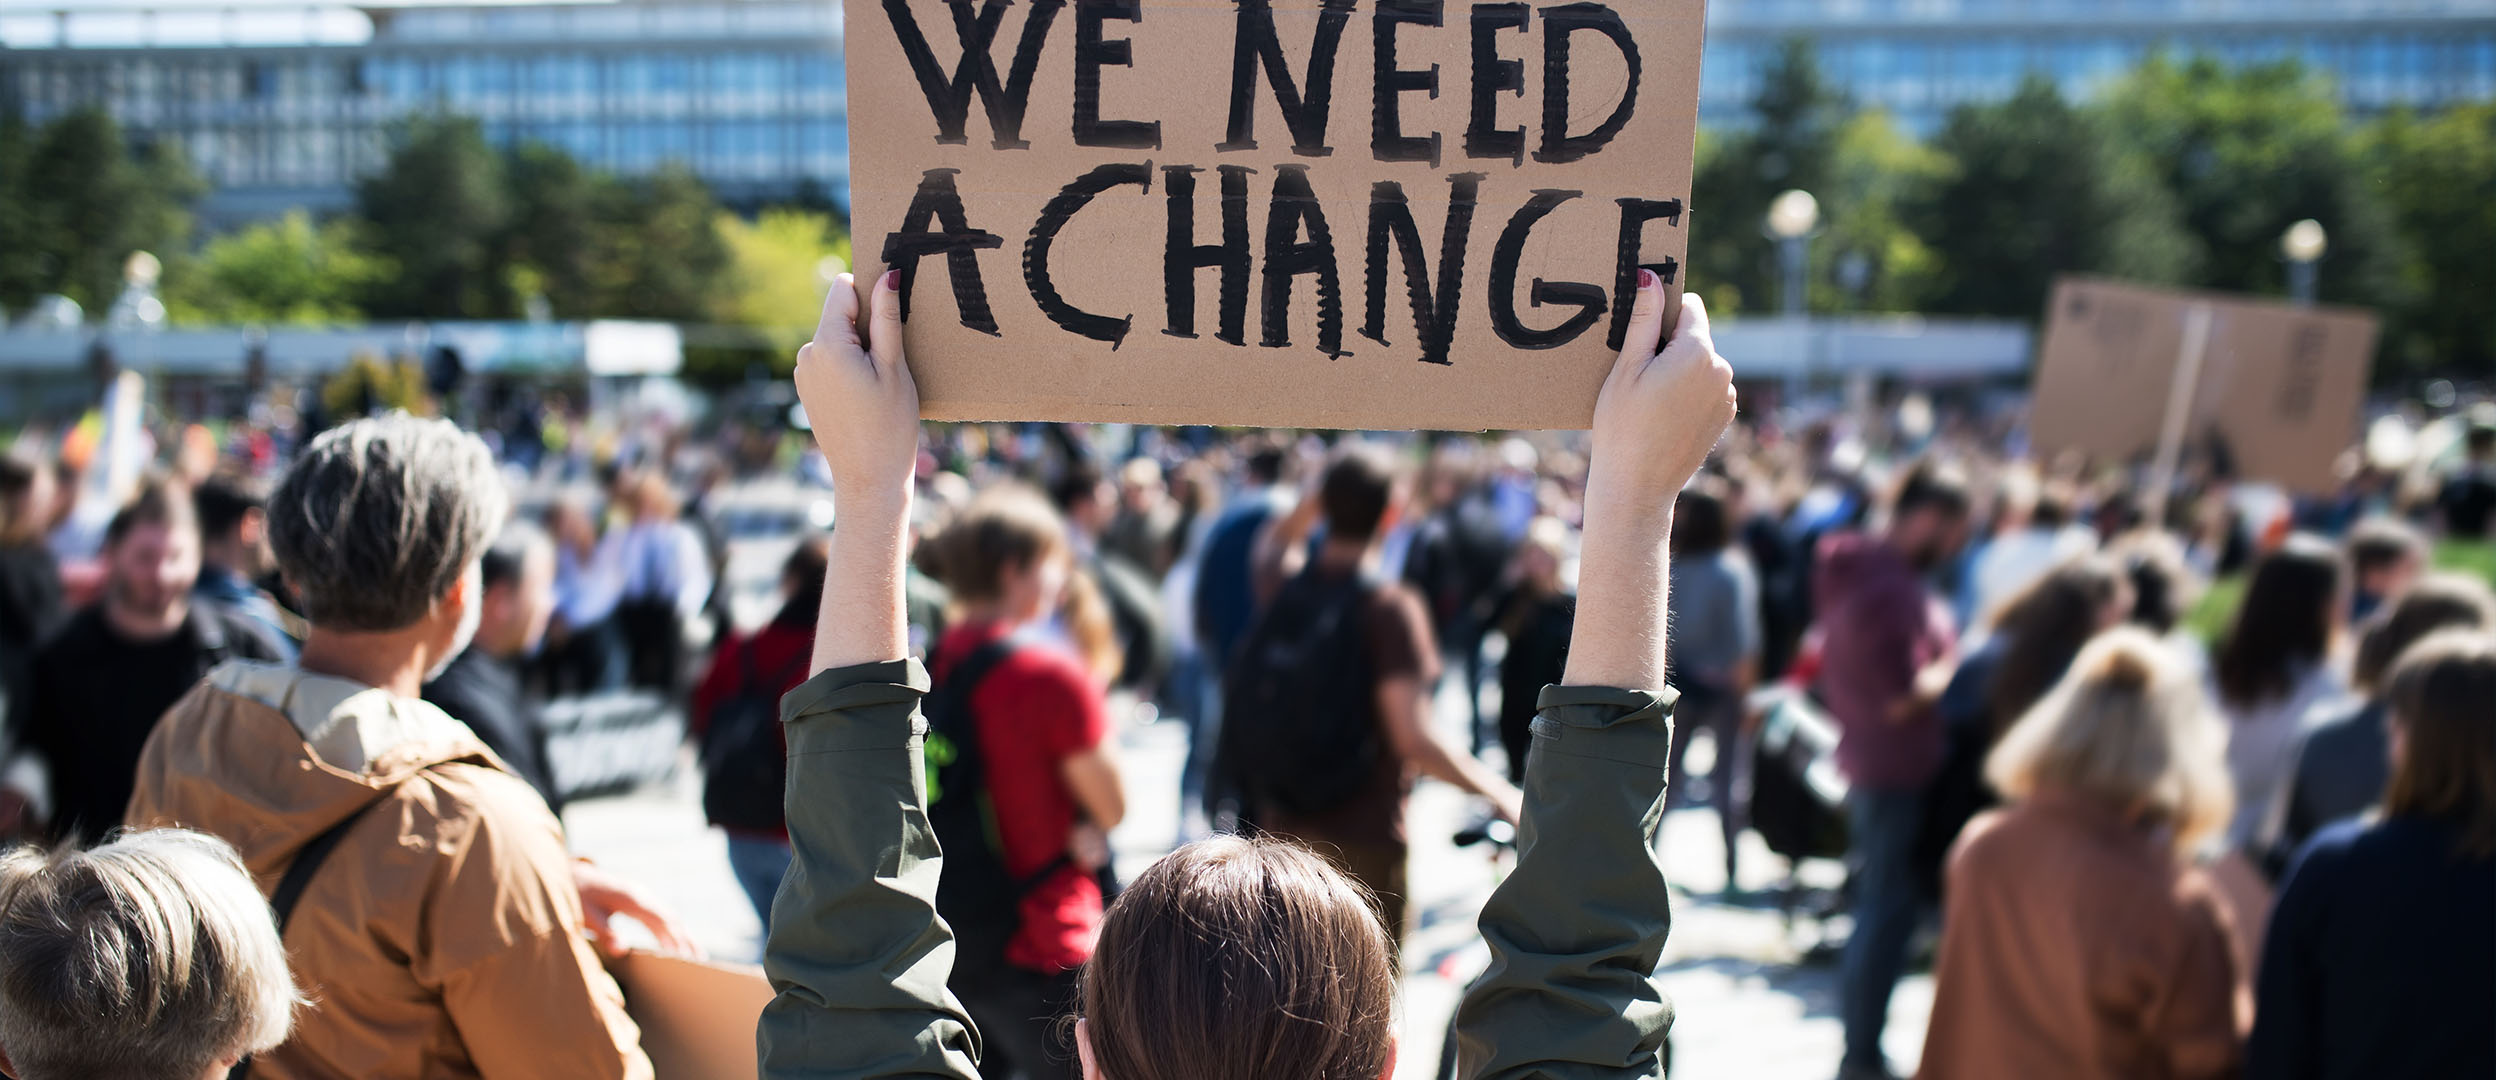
{"points": [[442, 939]]}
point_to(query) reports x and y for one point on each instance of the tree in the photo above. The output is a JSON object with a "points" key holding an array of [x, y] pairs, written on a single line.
{"points": [[1739, 173], [775, 285], [2248, 151], [1869, 256], [663, 258], [554, 230], [21, 259], [86, 203], [438, 211], [2437, 175], [289, 271], [2034, 188]]}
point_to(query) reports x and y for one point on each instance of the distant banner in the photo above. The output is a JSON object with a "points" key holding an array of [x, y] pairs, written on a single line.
{"points": [[2278, 395], [1331, 213]]}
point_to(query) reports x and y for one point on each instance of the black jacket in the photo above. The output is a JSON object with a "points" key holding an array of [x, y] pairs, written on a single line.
{"points": [[484, 693]]}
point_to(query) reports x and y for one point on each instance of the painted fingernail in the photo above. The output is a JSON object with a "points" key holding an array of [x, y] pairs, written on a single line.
{"points": [[1646, 278], [892, 279]]}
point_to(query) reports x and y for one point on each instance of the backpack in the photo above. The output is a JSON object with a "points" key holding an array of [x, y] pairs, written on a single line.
{"points": [[745, 765], [976, 896], [1299, 702]]}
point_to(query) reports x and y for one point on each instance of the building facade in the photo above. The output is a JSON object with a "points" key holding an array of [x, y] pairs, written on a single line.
{"points": [[1917, 59], [749, 93]]}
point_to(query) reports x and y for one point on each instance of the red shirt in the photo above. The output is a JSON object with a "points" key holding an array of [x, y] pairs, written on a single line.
{"points": [[1036, 708]]}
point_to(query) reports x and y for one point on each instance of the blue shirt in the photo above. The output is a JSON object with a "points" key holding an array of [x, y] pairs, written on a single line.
{"points": [[224, 587]]}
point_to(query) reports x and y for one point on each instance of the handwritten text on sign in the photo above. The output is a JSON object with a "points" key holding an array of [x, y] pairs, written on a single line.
{"points": [[1360, 213]]}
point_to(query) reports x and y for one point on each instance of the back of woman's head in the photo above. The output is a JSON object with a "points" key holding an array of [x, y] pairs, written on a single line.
{"points": [[2127, 726], [2437, 602], [1240, 959], [2285, 626], [2443, 698], [2164, 587], [1005, 528], [2044, 627], [1702, 518], [150, 958]]}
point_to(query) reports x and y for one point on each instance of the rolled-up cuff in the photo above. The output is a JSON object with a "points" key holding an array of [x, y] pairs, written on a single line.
{"points": [[860, 707], [1607, 722]]}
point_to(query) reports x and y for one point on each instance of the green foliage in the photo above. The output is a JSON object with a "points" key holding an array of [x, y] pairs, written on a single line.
{"points": [[2035, 187], [662, 256], [369, 385], [79, 201], [2438, 175], [438, 212], [288, 271], [775, 285]]}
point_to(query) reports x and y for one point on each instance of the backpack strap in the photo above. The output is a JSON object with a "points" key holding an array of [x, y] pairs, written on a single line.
{"points": [[955, 690], [298, 877]]}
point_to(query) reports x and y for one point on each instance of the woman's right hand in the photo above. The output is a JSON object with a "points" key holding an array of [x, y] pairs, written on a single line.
{"points": [[858, 394], [1660, 412]]}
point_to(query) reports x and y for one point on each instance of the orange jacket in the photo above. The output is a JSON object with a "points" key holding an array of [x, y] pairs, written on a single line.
{"points": [[442, 938]]}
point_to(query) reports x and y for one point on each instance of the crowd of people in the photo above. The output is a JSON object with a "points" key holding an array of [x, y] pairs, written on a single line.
{"points": [[2270, 851]]}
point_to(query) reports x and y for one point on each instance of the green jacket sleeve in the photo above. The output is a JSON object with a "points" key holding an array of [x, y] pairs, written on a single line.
{"points": [[857, 957], [1576, 931]]}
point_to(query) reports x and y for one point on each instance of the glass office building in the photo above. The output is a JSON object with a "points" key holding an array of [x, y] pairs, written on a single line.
{"points": [[748, 93], [1917, 59]]}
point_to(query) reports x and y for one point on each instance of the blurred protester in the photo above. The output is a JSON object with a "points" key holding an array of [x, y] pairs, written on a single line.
{"points": [[446, 928], [1146, 521], [1225, 604], [482, 686], [2033, 533], [2033, 640], [1715, 603], [2384, 557], [101, 684], [2164, 590], [149, 957], [2345, 761], [2080, 943], [1325, 711], [1881, 627], [587, 648], [2467, 502], [30, 583], [1536, 619], [2274, 667], [735, 718], [1048, 780], [234, 554], [2378, 960], [1458, 554], [666, 580], [1119, 586]]}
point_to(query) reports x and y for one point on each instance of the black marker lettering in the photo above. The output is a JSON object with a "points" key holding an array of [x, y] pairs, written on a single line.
{"points": [[1092, 52], [1387, 141], [1295, 205], [1391, 218], [1073, 197], [950, 99], [1587, 299], [1484, 138], [1182, 256], [1635, 214], [1559, 23], [938, 203], [1256, 45]]}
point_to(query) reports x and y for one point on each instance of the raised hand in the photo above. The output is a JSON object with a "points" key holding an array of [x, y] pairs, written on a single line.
{"points": [[859, 396], [1660, 413]]}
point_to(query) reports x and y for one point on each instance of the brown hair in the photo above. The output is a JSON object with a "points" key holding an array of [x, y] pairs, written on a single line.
{"points": [[1701, 523], [2285, 625], [2437, 602], [160, 501], [2044, 627], [1238, 959], [1004, 527], [2444, 701]]}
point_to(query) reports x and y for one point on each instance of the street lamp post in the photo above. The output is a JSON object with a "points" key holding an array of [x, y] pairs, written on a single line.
{"points": [[2302, 246], [1791, 221]]}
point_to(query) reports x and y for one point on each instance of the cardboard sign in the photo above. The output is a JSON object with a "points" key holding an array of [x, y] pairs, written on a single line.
{"points": [[2278, 393], [697, 1019], [1319, 213]]}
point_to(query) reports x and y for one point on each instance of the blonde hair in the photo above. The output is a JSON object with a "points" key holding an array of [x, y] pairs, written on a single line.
{"points": [[149, 957], [2127, 725]]}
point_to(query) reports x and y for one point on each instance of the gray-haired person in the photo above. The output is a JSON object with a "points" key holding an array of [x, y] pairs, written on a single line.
{"points": [[441, 919], [149, 958]]}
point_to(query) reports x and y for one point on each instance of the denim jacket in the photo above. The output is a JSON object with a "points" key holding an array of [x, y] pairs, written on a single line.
{"points": [[859, 960]]}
